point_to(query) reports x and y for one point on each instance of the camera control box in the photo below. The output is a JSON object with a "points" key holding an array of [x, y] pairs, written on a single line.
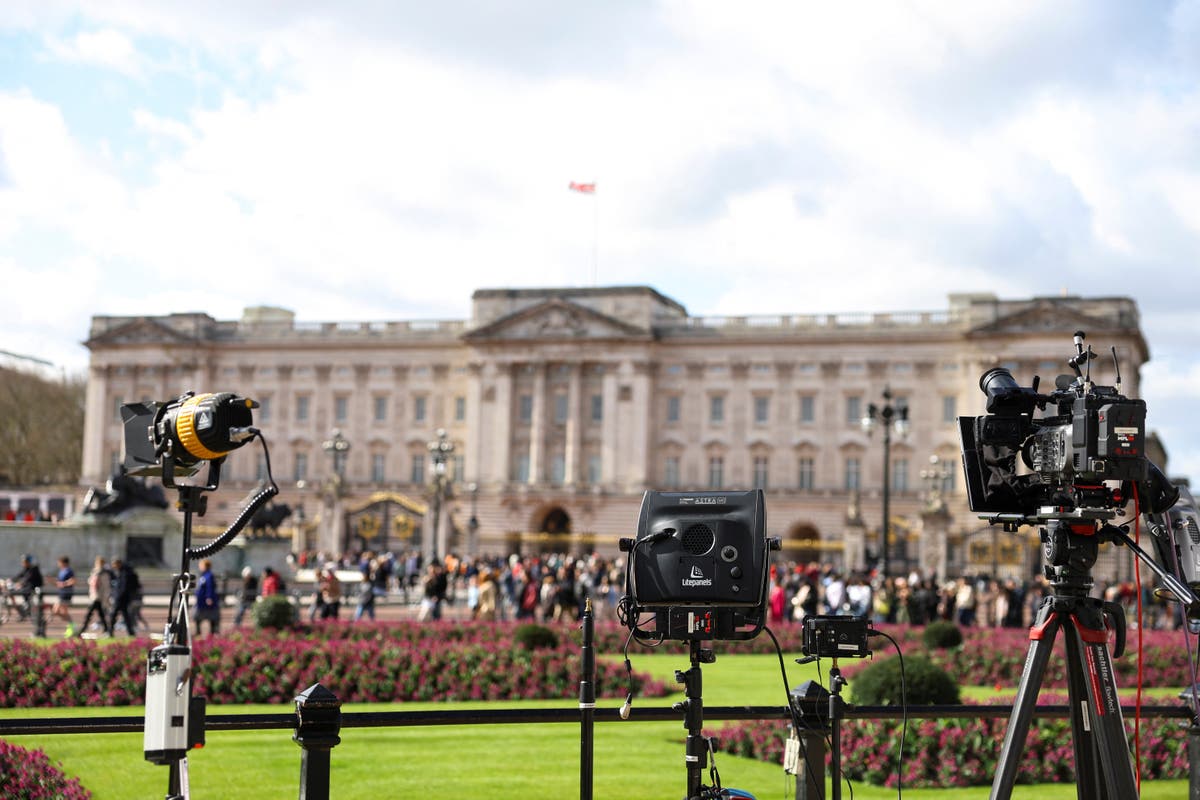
{"points": [[835, 636]]}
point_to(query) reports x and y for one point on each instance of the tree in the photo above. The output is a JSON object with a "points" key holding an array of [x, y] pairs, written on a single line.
{"points": [[41, 429]]}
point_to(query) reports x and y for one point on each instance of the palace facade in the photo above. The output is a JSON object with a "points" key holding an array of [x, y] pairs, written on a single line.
{"points": [[560, 407]]}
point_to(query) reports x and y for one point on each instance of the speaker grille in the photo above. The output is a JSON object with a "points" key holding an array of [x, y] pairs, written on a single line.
{"points": [[698, 539], [1193, 530]]}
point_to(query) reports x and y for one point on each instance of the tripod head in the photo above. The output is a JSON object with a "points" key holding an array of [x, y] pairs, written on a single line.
{"points": [[1070, 551]]}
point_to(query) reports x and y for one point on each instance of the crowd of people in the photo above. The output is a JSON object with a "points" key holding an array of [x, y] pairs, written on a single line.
{"points": [[545, 587], [555, 586], [28, 515], [114, 594]]}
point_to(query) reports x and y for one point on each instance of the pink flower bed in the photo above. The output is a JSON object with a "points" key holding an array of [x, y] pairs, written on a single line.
{"points": [[359, 663], [29, 775], [961, 752]]}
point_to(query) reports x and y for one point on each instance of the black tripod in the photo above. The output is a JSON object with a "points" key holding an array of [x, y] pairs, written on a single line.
{"points": [[699, 748], [1103, 765]]}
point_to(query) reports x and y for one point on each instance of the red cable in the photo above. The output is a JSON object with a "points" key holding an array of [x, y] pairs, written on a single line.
{"points": [[1137, 708]]}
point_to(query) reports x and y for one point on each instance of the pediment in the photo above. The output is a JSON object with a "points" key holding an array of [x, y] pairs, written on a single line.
{"points": [[556, 320], [143, 330], [1044, 316]]}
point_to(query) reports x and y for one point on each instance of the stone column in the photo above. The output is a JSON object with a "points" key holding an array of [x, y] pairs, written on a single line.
{"points": [[575, 412], [931, 550], [609, 428], [537, 429], [477, 471], [854, 539], [694, 471], [96, 420], [501, 421], [640, 453]]}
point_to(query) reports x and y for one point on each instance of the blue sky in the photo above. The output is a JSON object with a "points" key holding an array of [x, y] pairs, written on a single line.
{"points": [[376, 160]]}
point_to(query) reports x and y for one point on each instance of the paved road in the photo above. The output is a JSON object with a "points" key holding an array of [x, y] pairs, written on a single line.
{"points": [[154, 613]]}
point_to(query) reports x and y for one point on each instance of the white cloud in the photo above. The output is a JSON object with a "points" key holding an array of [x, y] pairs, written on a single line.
{"points": [[753, 159], [108, 49]]}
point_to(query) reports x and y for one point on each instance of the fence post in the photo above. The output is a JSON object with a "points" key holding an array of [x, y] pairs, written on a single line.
{"points": [[39, 613], [587, 704], [811, 704], [1194, 760], [318, 725]]}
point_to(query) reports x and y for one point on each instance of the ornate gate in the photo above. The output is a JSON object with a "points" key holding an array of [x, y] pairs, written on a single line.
{"points": [[386, 521]]}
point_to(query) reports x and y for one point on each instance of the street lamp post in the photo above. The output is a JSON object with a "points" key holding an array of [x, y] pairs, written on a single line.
{"points": [[338, 448], [473, 522], [891, 418], [935, 517], [299, 539], [440, 449], [935, 477]]}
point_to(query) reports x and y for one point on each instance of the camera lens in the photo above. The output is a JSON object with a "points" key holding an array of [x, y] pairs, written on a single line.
{"points": [[997, 380]]}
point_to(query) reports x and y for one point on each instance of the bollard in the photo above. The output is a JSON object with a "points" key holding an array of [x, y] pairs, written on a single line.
{"points": [[38, 612], [811, 702], [318, 725]]}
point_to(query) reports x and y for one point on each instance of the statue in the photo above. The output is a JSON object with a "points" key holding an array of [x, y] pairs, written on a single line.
{"points": [[122, 492]]}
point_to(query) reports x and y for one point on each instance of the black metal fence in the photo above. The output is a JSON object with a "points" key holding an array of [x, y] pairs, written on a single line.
{"points": [[318, 721]]}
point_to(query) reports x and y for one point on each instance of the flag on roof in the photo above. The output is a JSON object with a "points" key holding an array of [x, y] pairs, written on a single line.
{"points": [[586, 188]]}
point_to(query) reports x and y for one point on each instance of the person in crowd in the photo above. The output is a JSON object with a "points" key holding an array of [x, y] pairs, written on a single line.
{"points": [[433, 592], [473, 594], [329, 587], [776, 600], [566, 595], [835, 594], [64, 583], [366, 591], [27, 582], [964, 602], [126, 589], [530, 595], [858, 596], [548, 596], [208, 600], [807, 599], [271, 582], [883, 600], [99, 593], [489, 595], [247, 595]]}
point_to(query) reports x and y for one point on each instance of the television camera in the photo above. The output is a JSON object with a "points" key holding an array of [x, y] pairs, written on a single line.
{"points": [[1091, 435], [1081, 462]]}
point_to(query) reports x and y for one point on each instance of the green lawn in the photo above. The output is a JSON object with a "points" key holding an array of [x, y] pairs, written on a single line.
{"points": [[632, 759]]}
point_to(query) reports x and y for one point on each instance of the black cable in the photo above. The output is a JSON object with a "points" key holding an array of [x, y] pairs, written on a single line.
{"points": [[903, 714], [797, 719], [246, 513]]}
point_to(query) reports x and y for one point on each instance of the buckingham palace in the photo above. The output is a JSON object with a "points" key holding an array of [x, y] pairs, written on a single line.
{"points": [[538, 423]]}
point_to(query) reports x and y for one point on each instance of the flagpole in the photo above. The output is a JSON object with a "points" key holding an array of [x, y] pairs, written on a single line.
{"points": [[590, 189], [595, 237]]}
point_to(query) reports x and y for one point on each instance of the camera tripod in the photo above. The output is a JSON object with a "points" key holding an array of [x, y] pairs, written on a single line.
{"points": [[1103, 765], [699, 748]]}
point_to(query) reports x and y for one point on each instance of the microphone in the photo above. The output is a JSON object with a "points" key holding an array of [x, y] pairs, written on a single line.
{"points": [[658, 536]]}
